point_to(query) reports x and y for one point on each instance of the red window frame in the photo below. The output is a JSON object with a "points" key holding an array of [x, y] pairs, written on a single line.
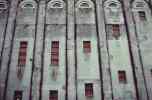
{"points": [[18, 95], [55, 53], [142, 15], [116, 30], [22, 53], [86, 46], [88, 89], [53, 95], [122, 76]]}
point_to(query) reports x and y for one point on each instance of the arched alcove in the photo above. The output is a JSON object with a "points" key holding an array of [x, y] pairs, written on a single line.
{"points": [[27, 7], [113, 12]]}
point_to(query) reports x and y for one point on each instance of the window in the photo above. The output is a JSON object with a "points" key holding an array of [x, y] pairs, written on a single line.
{"points": [[89, 89], [22, 53], [55, 53], [122, 77], [142, 15], [116, 30], [86, 46], [18, 95], [53, 95]]}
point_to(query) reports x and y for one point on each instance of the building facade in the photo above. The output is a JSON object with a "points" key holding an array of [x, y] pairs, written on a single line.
{"points": [[75, 49]]}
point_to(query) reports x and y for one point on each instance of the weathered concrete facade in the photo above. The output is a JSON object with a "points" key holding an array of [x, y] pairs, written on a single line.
{"points": [[103, 43]]}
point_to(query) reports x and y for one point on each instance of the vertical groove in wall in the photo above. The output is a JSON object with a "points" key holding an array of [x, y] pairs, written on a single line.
{"points": [[66, 52], [42, 54], [99, 53], [75, 49], [33, 64], [10, 53], [140, 57], [3, 41], [109, 64], [107, 45], [130, 52]]}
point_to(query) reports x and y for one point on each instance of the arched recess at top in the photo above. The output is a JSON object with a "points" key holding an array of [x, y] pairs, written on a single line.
{"points": [[56, 12], [27, 7], [85, 12], [141, 9], [85, 5], [3, 5], [113, 12], [56, 4]]}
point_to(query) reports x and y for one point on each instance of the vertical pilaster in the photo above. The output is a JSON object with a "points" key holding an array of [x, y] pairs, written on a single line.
{"points": [[139, 78], [36, 81], [71, 50], [6, 55], [106, 77], [3, 25]]}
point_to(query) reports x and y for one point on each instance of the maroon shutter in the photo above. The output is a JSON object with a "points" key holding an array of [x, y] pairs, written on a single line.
{"points": [[116, 30], [86, 46], [89, 89], [55, 53], [18, 95], [22, 53], [122, 76], [53, 95]]}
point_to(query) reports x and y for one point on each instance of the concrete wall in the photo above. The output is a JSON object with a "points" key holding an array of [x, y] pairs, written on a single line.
{"points": [[76, 68]]}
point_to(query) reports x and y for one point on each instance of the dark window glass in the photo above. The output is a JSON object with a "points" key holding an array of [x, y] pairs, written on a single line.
{"points": [[89, 89], [18, 95], [53, 95], [122, 77]]}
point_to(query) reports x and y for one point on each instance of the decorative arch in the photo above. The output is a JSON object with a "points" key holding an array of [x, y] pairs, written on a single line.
{"points": [[113, 12], [3, 5], [27, 7], [84, 4], [141, 9], [28, 4], [56, 4]]}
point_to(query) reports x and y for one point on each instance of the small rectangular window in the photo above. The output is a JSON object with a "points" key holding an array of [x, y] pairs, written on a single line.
{"points": [[89, 89], [55, 53], [18, 95], [122, 77], [53, 95], [116, 30], [86, 46], [142, 15], [22, 53]]}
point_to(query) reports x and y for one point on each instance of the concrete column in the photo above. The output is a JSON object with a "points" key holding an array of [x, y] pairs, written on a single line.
{"points": [[38, 51], [6, 55], [3, 25], [71, 50], [135, 51], [106, 77]]}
